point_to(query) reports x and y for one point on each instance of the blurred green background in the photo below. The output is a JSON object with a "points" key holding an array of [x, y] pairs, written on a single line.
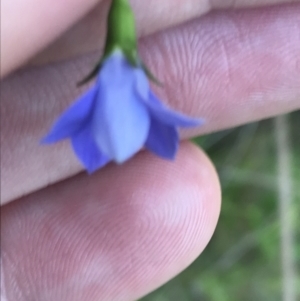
{"points": [[243, 260]]}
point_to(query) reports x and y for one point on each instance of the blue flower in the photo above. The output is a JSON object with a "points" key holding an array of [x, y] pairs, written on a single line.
{"points": [[118, 117]]}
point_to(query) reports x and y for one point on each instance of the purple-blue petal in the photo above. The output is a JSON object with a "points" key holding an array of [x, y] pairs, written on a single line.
{"points": [[142, 84], [168, 116], [163, 140], [121, 120], [158, 109], [73, 119], [87, 150]]}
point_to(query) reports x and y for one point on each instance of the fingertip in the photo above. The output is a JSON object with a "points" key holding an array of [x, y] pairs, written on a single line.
{"points": [[120, 233]]}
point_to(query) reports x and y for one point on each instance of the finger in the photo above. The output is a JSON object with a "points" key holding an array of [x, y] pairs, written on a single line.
{"points": [[21, 23], [229, 68], [151, 17], [116, 235]]}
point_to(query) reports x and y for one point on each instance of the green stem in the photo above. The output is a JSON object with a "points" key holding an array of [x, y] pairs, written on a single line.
{"points": [[121, 29]]}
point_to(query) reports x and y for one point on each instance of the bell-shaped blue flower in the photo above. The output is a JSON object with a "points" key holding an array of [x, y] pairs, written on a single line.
{"points": [[118, 117]]}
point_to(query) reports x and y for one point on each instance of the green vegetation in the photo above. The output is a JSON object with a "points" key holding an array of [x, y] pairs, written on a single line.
{"points": [[243, 259]]}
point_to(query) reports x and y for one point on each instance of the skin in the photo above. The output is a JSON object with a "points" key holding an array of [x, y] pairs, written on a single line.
{"points": [[126, 230]]}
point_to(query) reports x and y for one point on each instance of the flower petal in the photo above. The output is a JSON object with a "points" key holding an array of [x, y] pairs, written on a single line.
{"points": [[142, 84], [73, 119], [121, 120], [87, 150], [158, 109], [163, 140], [168, 116]]}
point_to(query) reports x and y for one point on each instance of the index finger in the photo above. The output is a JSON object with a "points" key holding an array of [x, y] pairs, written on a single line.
{"points": [[34, 24]]}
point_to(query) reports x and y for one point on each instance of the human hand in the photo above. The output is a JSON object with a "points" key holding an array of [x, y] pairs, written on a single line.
{"points": [[127, 229]]}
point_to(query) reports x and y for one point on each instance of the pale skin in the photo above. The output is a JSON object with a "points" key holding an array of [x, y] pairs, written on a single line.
{"points": [[124, 231]]}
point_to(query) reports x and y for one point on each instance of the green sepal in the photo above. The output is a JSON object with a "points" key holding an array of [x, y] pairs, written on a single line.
{"points": [[91, 75], [151, 76]]}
